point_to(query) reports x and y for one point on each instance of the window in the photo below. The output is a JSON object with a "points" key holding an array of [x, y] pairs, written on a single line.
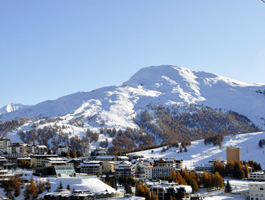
{"points": [[261, 188]]}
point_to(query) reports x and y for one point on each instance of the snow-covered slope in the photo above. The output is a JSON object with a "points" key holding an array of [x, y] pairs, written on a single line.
{"points": [[11, 108], [199, 153], [165, 85]]}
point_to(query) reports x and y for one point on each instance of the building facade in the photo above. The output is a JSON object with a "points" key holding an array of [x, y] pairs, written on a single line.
{"points": [[91, 168], [257, 191], [125, 169], [233, 153], [166, 191], [257, 176]]}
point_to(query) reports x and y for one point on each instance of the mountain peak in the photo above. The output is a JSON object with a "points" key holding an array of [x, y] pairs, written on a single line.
{"points": [[11, 108], [164, 85]]}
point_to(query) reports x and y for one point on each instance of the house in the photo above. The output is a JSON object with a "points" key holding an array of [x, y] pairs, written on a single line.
{"points": [[163, 167], [256, 191], [63, 149], [41, 149], [257, 176], [91, 168], [143, 169], [37, 149], [38, 160], [76, 162], [4, 143], [56, 167], [17, 148], [108, 167], [204, 167], [166, 190], [125, 169]]}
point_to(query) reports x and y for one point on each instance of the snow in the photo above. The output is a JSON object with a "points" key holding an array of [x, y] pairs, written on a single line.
{"points": [[118, 105], [93, 184], [11, 108], [199, 153], [159, 84]]}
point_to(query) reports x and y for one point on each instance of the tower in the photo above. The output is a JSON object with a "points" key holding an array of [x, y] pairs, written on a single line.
{"points": [[87, 148], [233, 153]]}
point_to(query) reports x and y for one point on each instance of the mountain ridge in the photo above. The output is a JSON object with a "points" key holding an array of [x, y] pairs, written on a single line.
{"points": [[165, 85]]}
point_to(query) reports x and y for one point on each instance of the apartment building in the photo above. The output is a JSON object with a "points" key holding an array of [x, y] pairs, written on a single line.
{"points": [[257, 191], [17, 148], [125, 169], [233, 153], [163, 167], [91, 168]]}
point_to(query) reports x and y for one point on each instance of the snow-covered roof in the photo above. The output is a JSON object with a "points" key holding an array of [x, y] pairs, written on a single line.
{"points": [[105, 157], [42, 146], [187, 188]]}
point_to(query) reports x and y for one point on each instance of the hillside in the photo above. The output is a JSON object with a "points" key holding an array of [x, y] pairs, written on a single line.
{"points": [[199, 153], [175, 89]]}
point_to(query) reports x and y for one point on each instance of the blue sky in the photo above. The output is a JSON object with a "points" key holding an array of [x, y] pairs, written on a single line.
{"points": [[49, 49]]}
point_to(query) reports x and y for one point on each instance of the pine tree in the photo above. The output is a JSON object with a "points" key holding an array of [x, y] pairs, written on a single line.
{"points": [[260, 143], [68, 187], [60, 185], [31, 191], [194, 185], [16, 187], [154, 197], [74, 154], [228, 188]]}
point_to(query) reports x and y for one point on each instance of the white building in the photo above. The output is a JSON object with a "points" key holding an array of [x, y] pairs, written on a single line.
{"points": [[17, 148], [125, 169], [63, 149], [163, 167], [4, 143], [259, 176], [257, 191]]}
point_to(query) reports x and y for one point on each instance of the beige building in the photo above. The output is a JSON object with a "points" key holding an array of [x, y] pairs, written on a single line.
{"points": [[233, 153], [107, 167]]}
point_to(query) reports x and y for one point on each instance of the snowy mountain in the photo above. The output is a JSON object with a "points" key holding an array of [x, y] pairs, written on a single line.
{"points": [[165, 85], [118, 106], [11, 108]]}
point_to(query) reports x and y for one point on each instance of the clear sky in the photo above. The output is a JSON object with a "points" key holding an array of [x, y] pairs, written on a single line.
{"points": [[53, 48]]}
